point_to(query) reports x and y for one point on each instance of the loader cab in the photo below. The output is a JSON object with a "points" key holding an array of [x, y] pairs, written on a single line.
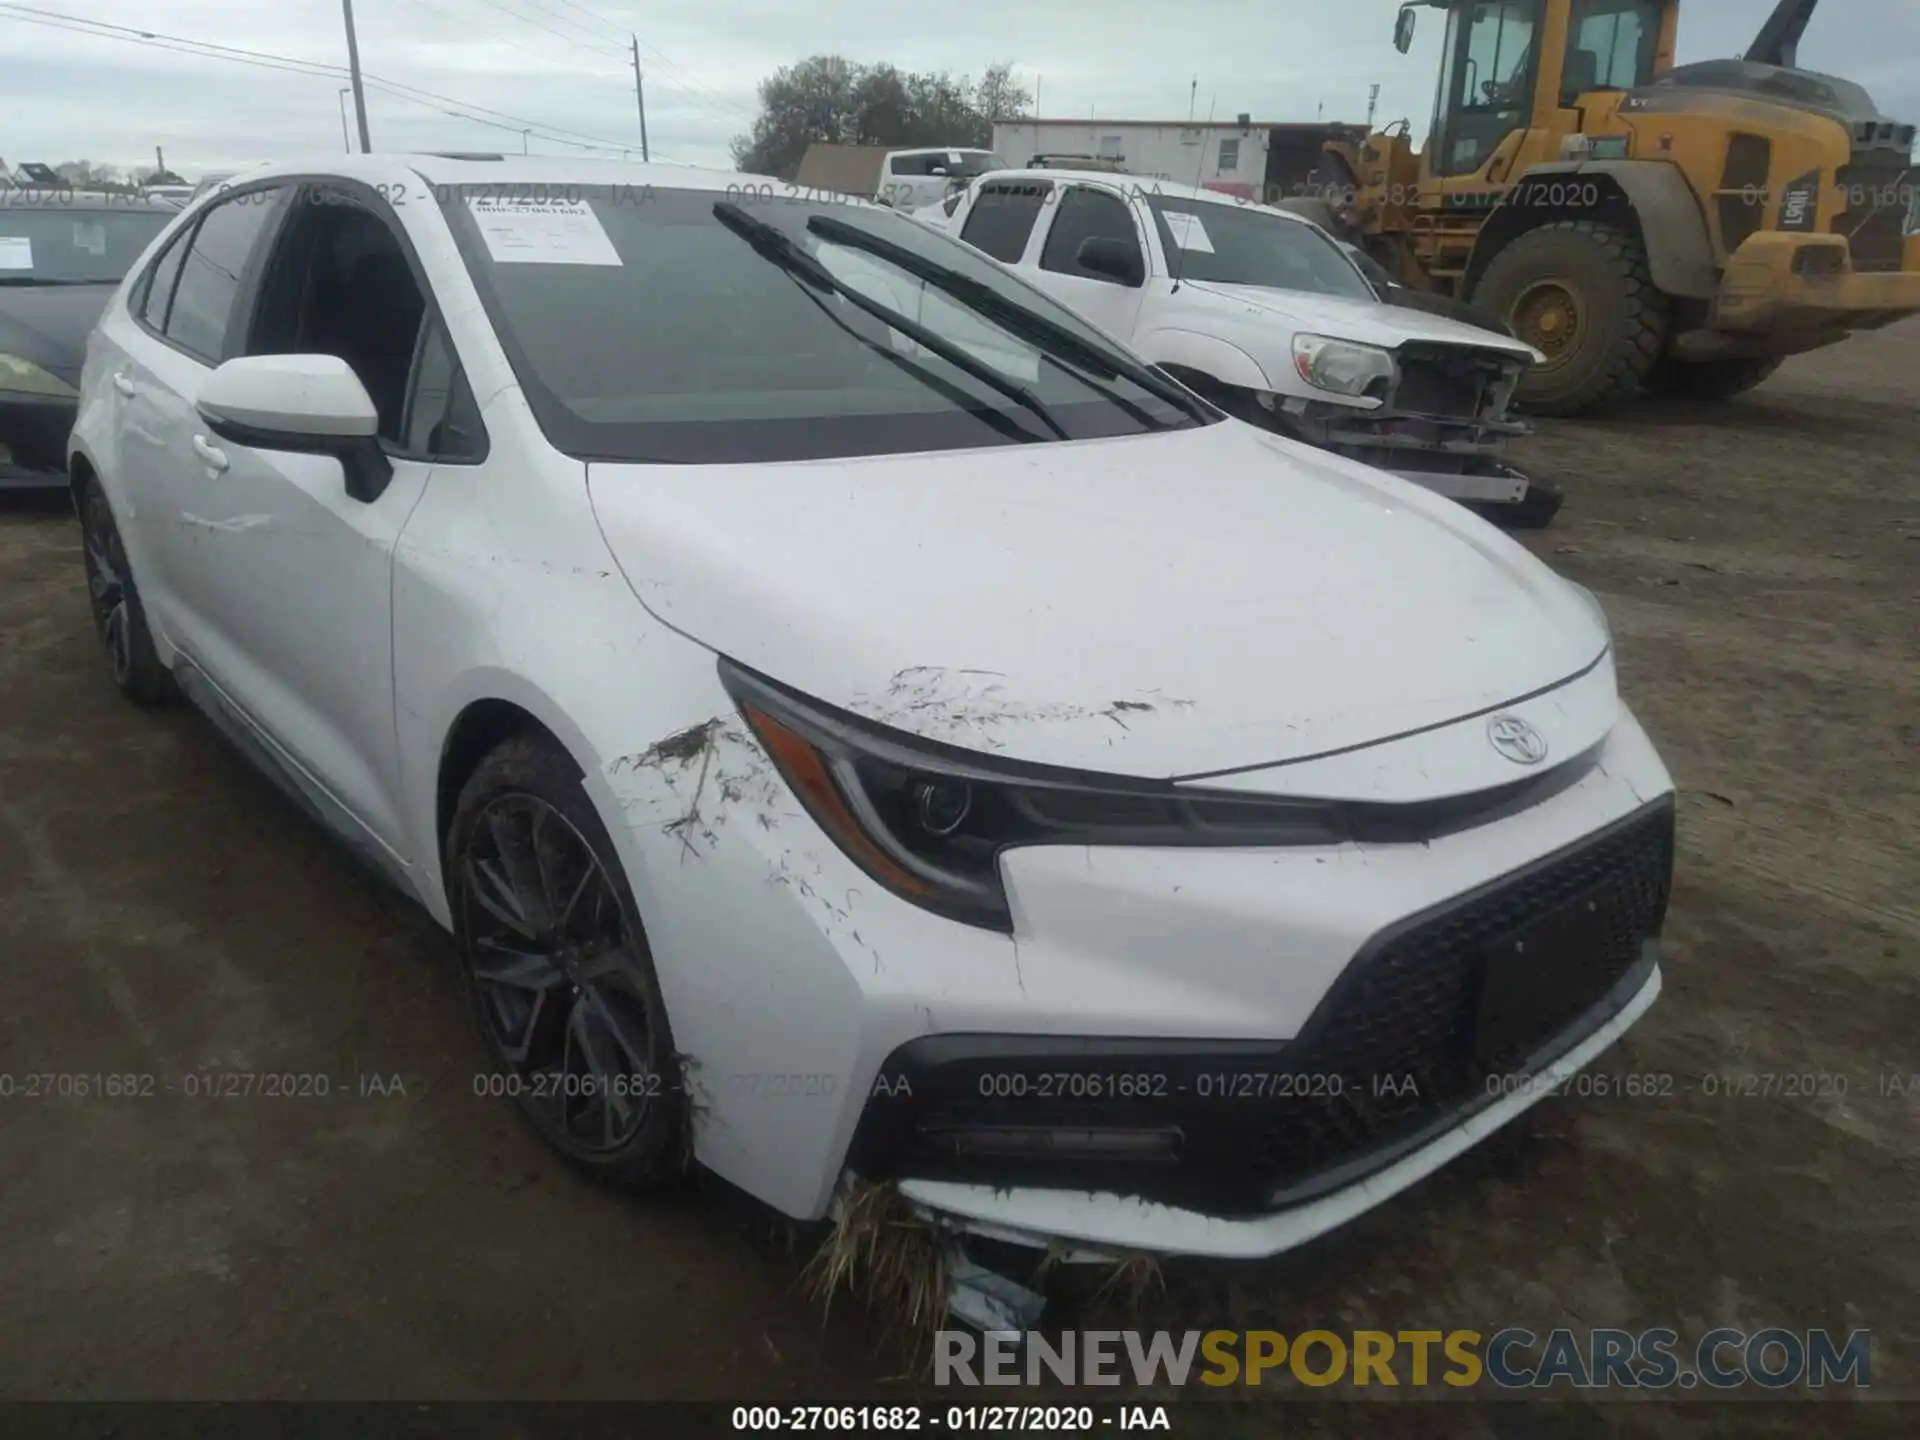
{"points": [[1516, 66]]}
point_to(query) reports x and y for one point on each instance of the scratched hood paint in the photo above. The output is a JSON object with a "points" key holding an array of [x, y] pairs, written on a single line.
{"points": [[1164, 605]]}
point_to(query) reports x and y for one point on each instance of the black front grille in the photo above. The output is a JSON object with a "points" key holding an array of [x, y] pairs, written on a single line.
{"points": [[1405, 1010], [1877, 190], [1395, 1051]]}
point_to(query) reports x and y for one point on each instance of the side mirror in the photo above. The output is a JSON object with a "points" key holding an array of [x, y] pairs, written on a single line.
{"points": [[1112, 257], [300, 404], [1403, 29]]}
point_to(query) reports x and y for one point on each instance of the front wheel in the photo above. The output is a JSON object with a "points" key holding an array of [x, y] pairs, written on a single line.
{"points": [[559, 971], [1580, 292]]}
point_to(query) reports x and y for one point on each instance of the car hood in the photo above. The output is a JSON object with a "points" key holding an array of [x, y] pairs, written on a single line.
{"points": [[48, 325], [1164, 605], [1372, 322]]}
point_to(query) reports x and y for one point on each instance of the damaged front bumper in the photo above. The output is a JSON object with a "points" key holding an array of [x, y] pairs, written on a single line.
{"points": [[1083, 1226], [1445, 427]]}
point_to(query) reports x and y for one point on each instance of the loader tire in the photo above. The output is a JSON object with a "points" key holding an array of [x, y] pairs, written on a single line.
{"points": [[1580, 291], [1708, 379]]}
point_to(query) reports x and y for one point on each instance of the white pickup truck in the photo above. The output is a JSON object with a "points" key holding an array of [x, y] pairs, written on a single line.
{"points": [[1266, 315]]}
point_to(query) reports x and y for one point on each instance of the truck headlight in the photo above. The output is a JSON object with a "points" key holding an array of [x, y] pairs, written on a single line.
{"points": [[1343, 367], [25, 377]]}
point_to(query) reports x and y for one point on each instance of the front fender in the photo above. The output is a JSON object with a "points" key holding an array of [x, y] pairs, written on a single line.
{"points": [[1211, 356]]}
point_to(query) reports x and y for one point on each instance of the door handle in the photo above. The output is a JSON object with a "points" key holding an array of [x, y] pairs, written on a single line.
{"points": [[216, 458], [123, 383]]}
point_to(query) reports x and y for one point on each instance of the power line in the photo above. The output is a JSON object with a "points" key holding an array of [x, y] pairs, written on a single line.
{"points": [[598, 48], [209, 50]]}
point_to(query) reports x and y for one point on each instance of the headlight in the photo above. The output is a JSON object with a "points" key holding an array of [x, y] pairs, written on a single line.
{"points": [[929, 821], [1341, 366], [25, 377]]}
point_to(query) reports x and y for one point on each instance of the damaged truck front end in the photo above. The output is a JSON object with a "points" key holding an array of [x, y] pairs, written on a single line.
{"points": [[1443, 421]]}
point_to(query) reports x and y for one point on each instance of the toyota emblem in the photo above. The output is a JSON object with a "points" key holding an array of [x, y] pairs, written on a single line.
{"points": [[1517, 740]]}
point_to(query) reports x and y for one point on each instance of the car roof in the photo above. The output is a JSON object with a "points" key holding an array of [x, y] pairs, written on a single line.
{"points": [[506, 173], [1147, 184]]}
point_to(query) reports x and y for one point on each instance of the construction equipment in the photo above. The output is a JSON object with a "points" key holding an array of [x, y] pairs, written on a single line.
{"points": [[1679, 229]]}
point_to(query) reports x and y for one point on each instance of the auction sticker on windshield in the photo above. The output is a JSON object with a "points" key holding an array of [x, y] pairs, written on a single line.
{"points": [[1188, 232], [520, 230], [16, 252]]}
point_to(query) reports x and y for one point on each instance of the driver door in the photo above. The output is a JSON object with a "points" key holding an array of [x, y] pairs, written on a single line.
{"points": [[298, 572], [1487, 82], [1087, 212]]}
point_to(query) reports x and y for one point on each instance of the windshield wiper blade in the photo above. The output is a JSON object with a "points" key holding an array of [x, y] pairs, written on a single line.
{"points": [[48, 280], [1014, 318], [774, 244]]}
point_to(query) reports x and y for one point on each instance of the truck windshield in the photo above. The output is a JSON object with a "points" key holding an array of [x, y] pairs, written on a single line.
{"points": [[1239, 245], [644, 327]]}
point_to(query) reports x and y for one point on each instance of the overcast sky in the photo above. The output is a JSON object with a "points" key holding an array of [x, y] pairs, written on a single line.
{"points": [[559, 66]]}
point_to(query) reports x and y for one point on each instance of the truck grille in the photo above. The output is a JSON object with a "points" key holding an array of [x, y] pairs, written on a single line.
{"points": [[1877, 189], [1451, 383]]}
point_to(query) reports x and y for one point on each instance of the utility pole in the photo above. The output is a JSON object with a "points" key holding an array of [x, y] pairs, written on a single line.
{"points": [[640, 95], [346, 140], [1193, 96], [1373, 104], [353, 65]]}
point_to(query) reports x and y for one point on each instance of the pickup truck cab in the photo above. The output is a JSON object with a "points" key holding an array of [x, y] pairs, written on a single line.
{"points": [[1265, 314]]}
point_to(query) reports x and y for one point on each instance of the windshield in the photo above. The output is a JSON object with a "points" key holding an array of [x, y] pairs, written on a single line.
{"points": [[50, 239], [1238, 245], [642, 328]]}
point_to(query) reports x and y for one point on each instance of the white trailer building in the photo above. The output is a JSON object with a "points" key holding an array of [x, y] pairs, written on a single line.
{"points": [[1257, 159]]}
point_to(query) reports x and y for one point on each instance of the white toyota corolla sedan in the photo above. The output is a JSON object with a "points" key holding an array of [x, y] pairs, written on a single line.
{"points": [[858, 719]]}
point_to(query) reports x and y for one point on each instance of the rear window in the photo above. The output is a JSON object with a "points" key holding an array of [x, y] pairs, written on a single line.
{"points": [[1003, 216], [50, 240], [641, 328]]}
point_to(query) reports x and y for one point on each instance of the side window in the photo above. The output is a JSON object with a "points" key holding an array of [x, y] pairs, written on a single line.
{"points": [[211, 275], [1605, 51], [1087, 215], [1229, 156], [442, 420], [1491, 82], [1002, 218], [158, 295], [339, 283]]}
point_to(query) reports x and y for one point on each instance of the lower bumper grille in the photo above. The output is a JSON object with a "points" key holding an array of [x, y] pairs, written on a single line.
{"points": [[1416, 1034]]}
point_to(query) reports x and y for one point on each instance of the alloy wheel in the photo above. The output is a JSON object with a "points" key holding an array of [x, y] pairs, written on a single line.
{"points": [[553, 959], [107, 585]]}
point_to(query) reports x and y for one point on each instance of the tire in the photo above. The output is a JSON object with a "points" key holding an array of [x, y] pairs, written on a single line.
{"points": [[1535, 512], [1708, 379], [119, 618], [557, 967], [1617, 331]]}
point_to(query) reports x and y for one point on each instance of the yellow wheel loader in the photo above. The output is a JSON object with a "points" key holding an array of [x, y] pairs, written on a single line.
{"points": [[1644, 225]]}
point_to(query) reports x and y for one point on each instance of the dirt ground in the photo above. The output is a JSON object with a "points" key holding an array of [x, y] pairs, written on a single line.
{"points": [[164, 912]]}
